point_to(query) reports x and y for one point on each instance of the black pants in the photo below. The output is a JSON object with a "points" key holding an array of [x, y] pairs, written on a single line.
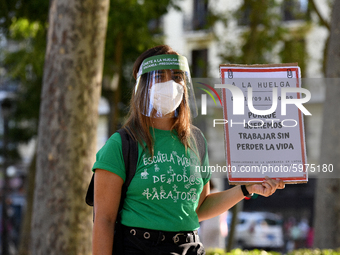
{"points": [[136, 245]]}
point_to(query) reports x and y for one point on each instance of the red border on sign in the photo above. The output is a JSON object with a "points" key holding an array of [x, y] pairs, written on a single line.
{"points": [[226, 133]]}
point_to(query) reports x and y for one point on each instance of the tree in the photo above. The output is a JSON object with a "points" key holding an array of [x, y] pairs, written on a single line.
{"points": [[327, 203], [62, 222], [139, 21], [264, 37], [323, 22], [25, 23], [25, 66], [261, 33]]}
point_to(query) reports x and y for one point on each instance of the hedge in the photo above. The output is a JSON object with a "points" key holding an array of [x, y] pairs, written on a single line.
{"points": [[315, 252]]}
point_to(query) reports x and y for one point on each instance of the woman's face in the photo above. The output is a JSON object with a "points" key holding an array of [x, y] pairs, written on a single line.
{"points": [[166, 91]]}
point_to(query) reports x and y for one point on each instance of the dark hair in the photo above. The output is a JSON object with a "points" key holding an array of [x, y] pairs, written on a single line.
{"points": [[137, 124]]}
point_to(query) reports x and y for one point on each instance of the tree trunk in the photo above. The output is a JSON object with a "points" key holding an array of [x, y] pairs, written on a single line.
{"points": [[25, 234], [327, 206], [61, 221]]}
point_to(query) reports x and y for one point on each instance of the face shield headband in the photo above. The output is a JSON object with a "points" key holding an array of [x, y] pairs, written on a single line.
{"points": [[164, 87]]}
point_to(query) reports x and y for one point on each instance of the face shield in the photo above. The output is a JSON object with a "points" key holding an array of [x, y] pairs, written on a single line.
{"points": [[164, 87]]}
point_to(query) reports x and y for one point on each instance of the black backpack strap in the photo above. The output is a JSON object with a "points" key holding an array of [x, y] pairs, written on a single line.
{"points": [[89, 194], [130, 156]]}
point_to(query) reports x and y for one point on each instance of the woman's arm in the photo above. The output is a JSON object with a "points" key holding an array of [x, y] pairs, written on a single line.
{"points": [[107, 192], [211, 205]]}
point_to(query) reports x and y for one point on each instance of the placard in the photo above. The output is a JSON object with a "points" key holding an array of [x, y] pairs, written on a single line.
{"points": [[263, 136]]}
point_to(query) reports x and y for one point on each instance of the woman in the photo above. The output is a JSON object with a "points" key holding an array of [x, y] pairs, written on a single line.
{"points": [[166, 198]]}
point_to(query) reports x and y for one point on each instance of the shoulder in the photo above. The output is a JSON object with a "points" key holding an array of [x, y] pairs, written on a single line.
{"points": [[112, 144], [110, 156], [115, 138], [196, 132], [194, 128]]}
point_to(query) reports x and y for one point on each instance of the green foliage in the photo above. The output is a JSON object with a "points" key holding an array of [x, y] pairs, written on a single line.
{"points": [[25, 66], [129, 33], [33, 10], [240, 252], [25, 24], [128, 24], [263, 33], [23, 29], [314, 252], [294, 48]]}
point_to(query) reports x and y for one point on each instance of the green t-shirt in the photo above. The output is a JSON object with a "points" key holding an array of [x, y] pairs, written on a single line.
{"points": [[164, 193]]}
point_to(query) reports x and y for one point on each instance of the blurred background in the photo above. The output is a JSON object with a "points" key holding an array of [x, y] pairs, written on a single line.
{"points": [[208, 33]]}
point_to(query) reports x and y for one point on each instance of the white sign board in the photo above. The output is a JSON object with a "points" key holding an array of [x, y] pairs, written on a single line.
{"points": [[269, 144]]}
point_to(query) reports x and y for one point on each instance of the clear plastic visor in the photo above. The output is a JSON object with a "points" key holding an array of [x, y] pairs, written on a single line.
{"points": [[166, 93]]}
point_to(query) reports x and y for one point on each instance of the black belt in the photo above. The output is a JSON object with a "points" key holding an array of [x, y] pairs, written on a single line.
{"points": [[163, 236]]}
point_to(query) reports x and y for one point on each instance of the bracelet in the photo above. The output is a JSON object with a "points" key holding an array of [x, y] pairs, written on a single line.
{"points": [[245, 191]]}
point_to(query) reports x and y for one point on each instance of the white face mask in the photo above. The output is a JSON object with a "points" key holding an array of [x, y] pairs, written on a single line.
{"points": [[166, 96]]}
